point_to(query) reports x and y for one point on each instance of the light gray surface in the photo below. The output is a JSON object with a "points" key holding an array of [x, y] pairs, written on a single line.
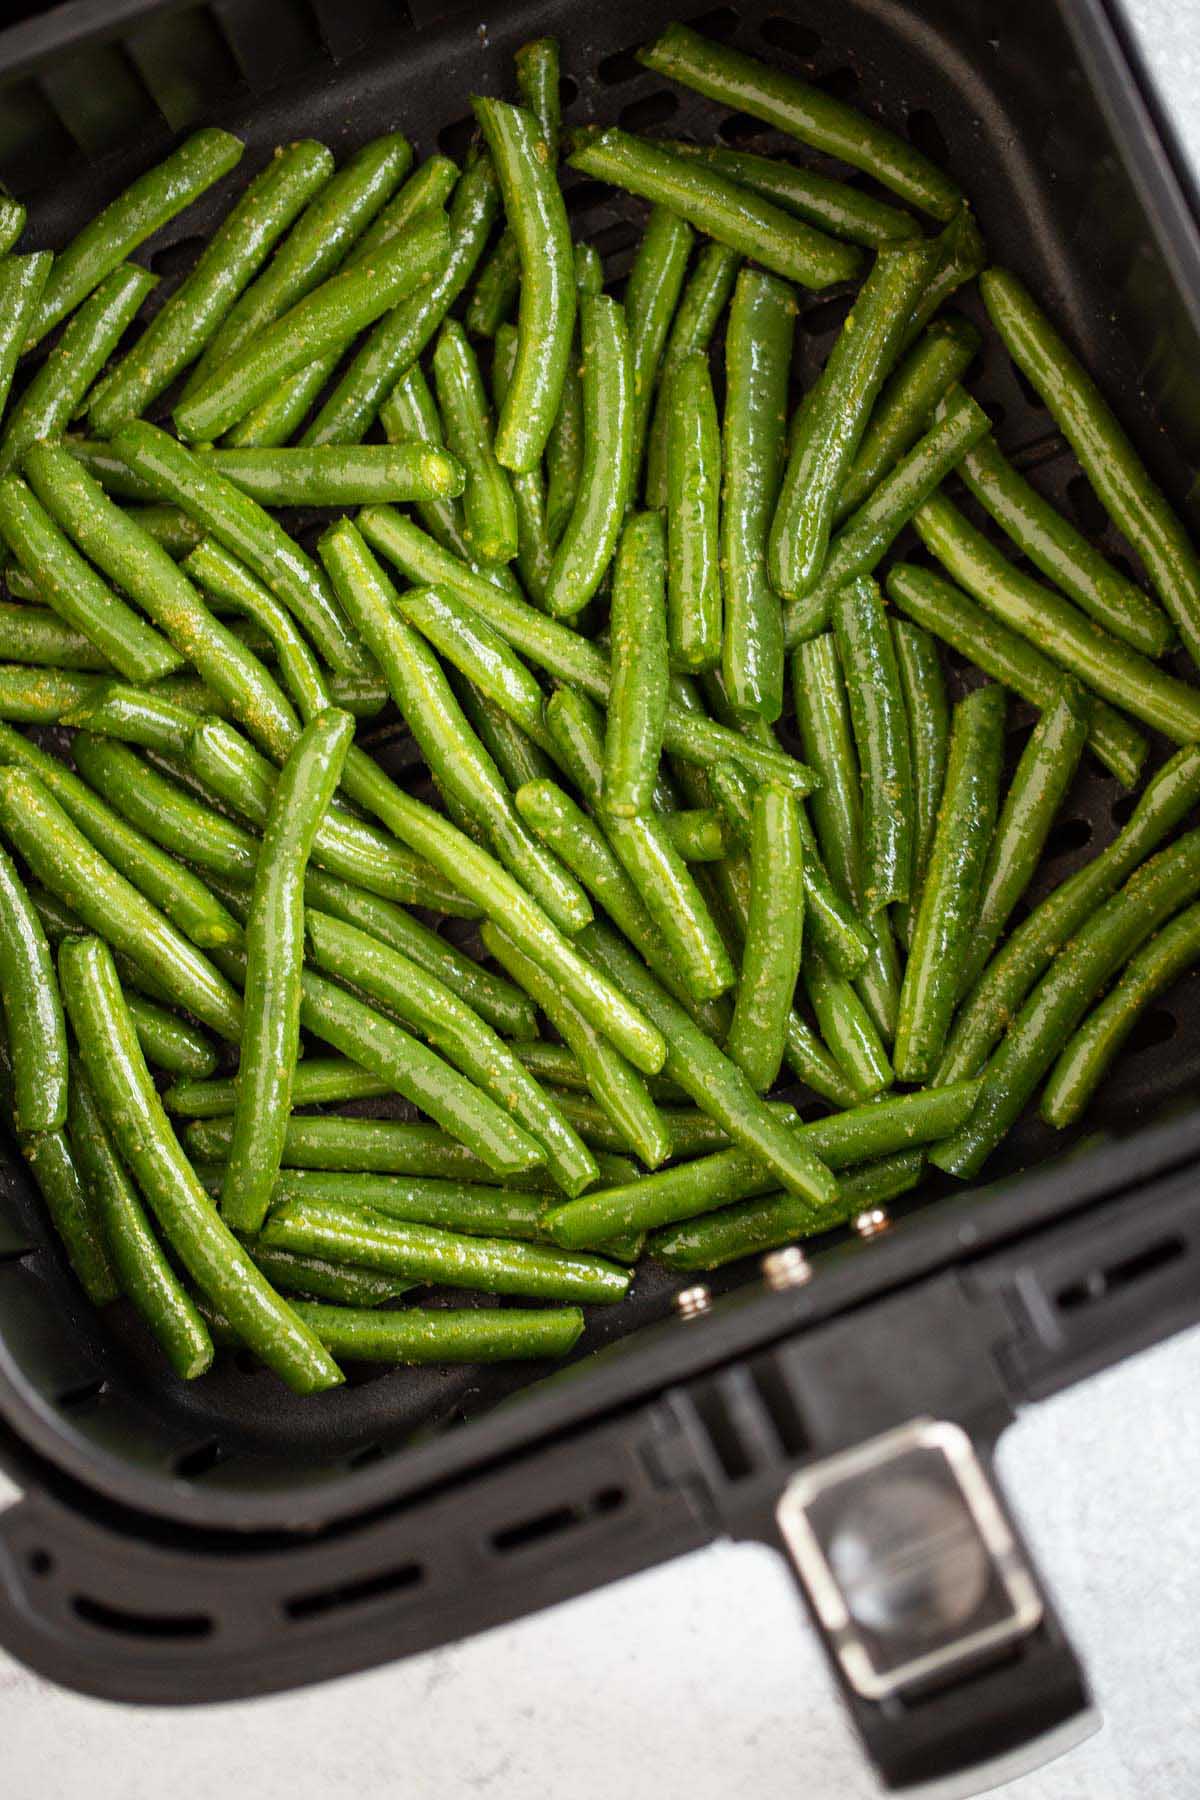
{"points": [[701, 1680]]}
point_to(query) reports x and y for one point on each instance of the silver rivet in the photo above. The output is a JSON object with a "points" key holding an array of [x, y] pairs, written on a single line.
{"points": [[872, 1223], [786, 1268], [693, 1302]]}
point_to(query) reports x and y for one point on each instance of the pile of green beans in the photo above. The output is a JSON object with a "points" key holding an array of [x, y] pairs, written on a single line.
{"points": [[605, 580]]}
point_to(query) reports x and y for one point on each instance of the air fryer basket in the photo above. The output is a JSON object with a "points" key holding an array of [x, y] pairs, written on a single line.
{"points": [[185, 1541]]}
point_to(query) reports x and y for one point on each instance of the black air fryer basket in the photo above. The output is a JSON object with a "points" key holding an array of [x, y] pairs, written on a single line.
{"points": [[182, 1542]]}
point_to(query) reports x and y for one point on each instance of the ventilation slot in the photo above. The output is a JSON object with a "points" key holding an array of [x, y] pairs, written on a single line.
{"points": [[721, 22], [1153, 1029], [649, 111], [557, 1520], [455, 140], [728, 1445], [840, 84], [740, 128], [925, 132], [826, 316], [320, 1601], [162, 1626], [781, 1407], [1101, 1284], [1067, 837], [612, 239], [198, 1460], [621, 66], [82, 1394], [786, 34], [1085, 504]]}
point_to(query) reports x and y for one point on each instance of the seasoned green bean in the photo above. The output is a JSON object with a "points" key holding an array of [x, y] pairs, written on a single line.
{"points": [[22, 285], [534, 550], [410, 415], [169, 1042], [651, 296], [495, 290], [847, 1029], [342, 475], [637, 704], [881, 736], [940, 357], [33, 1014], [950, 899], [697, 833], [694, 601], [318, 1081], [12, 222], [41, 695], [590, 534], [924, 692], [947, 613], [771, 955], [833, 206], [418, 1335], [313, 1278], [489, 506], [37, 636]]}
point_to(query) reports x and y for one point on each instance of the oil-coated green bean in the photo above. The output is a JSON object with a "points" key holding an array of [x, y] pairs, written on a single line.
{"points": [[41, 695], [694, 601], [318, 1081], [534, 550], [847, 1029], [940, 357], [833, 206], [924, 691], [37, 636], [410, 415], [33, 1014], [651, 296], [342, 475], [881, 736], [637, 704], [590, 534], [419, 1335], [771, 954], [12, 222], [23, 282], [169, 1042], [311, 1277], [489, 506]]}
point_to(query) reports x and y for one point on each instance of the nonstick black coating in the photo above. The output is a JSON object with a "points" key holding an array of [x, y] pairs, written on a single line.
{"points": [[995, 94]]}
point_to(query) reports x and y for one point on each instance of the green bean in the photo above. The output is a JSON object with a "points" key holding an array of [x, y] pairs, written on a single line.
{"points": [[406, 327], [168, 526], [758, 351], [318, 1081], [924, 692], [244, 528], [12, 222], [833, 206], [847, 1029], [697, 834], [616, 1086], [1169, 796], [313, 1277], [71, 1207], [651, 297], [846, 1139], [949, 909], [771, 955], [428, 1005], [114, 475], [564, 451], [180, 330], [37, 636], [357, 1147], [212, 567], [657, 871], [1103, 663], [418, 1335], [537, 218], [181, 895], [428, 188], [134, 1115], [694, 601], [408, 415], [496, 287], [74, 590], [947, 613], [59, 921], [516, 755], [1135, 503], [870, 532], [1089, 1052], [716, 1085], [1103, 943], [534, 550], [835, 416], [341, 475], [688, 1131], [489, 507], [55, 392], [458, 760], [717, 206], [1062, 554], [33, 1014], [169, 1042], [560, 650], [22, 284], [1042, 777], [325, 320], [41, 696], [638, 699], [144, 207], [881, 737], [137, 715], [803, 111], [132, 558], [823, 724], [336, 216], [140, 1264], [590, 534], [275, 933], [940, 357]]}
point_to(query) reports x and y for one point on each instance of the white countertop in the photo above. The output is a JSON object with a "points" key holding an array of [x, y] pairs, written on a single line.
{"points": [[702, 1679]]}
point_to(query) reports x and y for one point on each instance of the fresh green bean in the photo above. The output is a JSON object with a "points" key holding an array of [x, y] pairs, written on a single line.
{"points": [[418, 1335], [134, 1115], [694, 600], [948, 613], [881, 736], [1103, 663], [638, 699], [318, 1081], [144, 207], [1042, 777], [537, 218], [55, 392], [697, 833], [314, 1278], [950, 900], [1104, 942], [274, 951], [564, 451], [337, 215], [181, 328], [516, 755], [139, 715], [1135, 503], [836, 413], [924, 692], [1089, 1052], [325, 320], [847, 1028], [23, 282], [534, 550], [35, 635], [870, 532], [169, 1042], [410, 415], [940, 357], [590, 534], [998, 994], [496, 290], [230, 583], [805, 112], [496, 287], [428, 188], [37, 1032], [833, 206], [771, 955], [489, 507], [651, 297], [41, 695], [141, 1266], [614, 1083], [12, 222], [758, 353], [342, 475]]}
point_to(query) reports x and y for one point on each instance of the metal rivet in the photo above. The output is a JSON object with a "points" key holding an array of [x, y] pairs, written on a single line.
{"points": [[872, 1223], [786, 1268], [693, 1302]]}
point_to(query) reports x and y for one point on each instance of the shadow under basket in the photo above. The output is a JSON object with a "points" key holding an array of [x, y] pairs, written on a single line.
{"points": [[197, 1541]]}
